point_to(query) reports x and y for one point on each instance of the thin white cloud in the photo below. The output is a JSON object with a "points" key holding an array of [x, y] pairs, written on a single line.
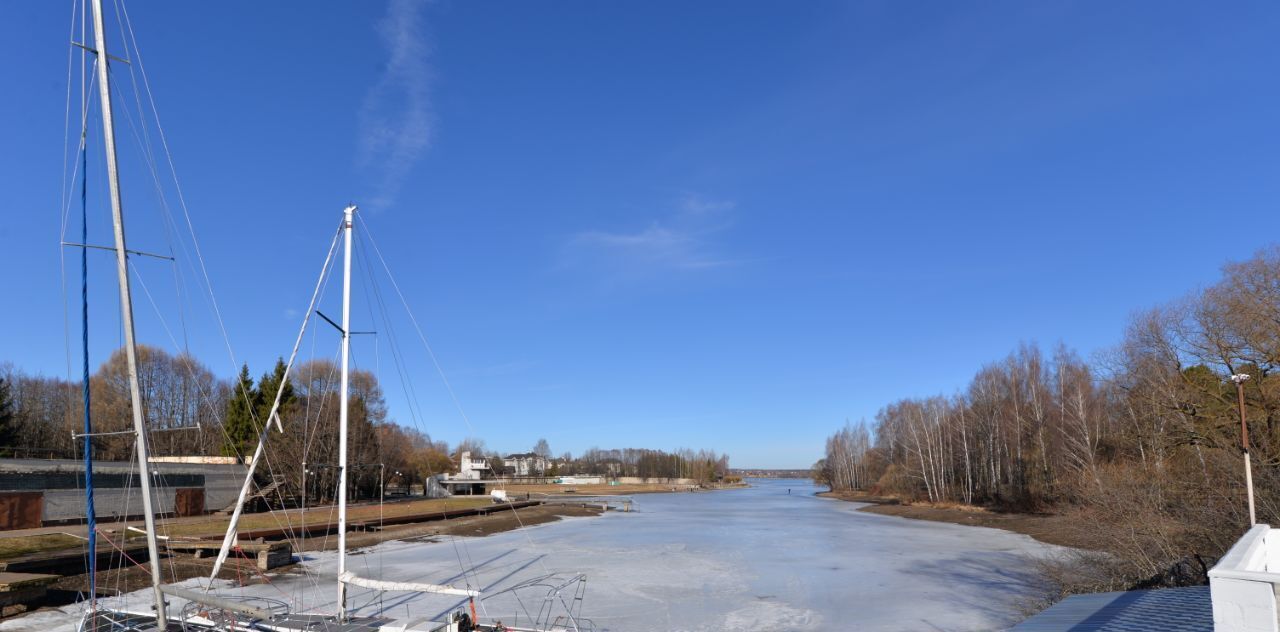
{"points": [[395, 120], [685, 240], [505, 368], [694, 204], [656, 245]]}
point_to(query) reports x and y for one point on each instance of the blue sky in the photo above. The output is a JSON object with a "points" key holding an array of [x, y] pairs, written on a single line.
{"points": [[660, 224]]}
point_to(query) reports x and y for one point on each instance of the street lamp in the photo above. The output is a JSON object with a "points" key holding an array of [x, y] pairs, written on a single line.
{"points": [[1239, 379]]}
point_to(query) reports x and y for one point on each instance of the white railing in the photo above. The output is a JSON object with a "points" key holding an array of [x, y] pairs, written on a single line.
{"points": [[1244, 583]]}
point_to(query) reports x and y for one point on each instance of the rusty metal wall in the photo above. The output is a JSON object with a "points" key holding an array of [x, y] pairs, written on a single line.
{"points": [[188, 501], [21, 510]]}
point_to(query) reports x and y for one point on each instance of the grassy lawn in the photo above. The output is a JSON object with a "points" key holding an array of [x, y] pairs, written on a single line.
{"points": [[13, 547]]}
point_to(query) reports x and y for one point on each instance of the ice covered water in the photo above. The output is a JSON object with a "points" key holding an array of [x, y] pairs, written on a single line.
{"points": [[751, 559]]}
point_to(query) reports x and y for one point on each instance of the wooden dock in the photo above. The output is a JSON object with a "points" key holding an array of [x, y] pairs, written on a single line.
{"points": [[268, 555], [71, 561], [18, 589], [606, 503]]}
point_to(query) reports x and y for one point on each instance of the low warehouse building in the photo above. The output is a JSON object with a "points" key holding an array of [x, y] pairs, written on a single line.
{"points": [[36, 492]]}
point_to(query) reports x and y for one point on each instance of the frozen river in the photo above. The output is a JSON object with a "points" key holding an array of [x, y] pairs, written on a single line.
{"points": [[751, 559]]}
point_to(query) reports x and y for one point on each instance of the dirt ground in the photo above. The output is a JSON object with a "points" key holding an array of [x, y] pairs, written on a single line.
{"points": [[216, 525], [470, 526], [22, 541], [1048, 528]]}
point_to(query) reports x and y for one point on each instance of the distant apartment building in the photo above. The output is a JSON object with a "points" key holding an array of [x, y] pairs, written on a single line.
{"points": [[526, 464], [610, 467]]}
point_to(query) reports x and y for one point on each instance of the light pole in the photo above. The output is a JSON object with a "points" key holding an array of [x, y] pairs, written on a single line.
{"points": [[1239, 379]]}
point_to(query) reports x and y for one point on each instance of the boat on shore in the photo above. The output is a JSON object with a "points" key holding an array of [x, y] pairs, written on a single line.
{"points": [[198, 608]]}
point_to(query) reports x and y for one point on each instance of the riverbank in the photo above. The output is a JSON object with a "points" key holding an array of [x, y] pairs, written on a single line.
{"points": [[179, 567], [1044, 527], [415, 520], [20, 542]]}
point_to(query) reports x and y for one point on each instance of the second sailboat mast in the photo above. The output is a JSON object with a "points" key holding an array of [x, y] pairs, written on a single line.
{"points": [[342, 411]]}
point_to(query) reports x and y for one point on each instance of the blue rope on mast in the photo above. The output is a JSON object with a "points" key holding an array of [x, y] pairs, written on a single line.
{"points": [[84, 331]]}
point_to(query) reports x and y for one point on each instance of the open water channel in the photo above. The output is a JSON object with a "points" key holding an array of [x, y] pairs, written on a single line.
{"points": [[749, 559]]}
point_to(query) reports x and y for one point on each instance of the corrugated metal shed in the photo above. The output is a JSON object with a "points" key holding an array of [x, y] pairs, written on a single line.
{"points": [[61, 483], [1165, 610]]}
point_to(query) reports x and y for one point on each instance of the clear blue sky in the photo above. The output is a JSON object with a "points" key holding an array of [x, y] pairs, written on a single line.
{"points": [[662, 224]]}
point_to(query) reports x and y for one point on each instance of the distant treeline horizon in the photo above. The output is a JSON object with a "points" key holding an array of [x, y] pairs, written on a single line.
{"points": [[190, 411], [765, 472]]}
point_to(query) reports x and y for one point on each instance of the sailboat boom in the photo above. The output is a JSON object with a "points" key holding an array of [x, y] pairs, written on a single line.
{"points": [[378, 584]]}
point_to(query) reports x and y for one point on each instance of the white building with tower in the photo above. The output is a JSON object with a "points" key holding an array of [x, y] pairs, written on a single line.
{"points": [[470, 476]]}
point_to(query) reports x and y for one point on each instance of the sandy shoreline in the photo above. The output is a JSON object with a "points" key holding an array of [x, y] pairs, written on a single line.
{"points": [[1047, 528]]}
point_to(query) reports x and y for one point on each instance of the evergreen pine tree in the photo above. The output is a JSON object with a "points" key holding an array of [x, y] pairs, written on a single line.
{"points": [[238, 423], [8, 422], [268, 384]]}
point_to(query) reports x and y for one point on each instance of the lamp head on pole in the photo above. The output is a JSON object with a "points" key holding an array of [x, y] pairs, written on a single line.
{"points": [[1239, 378]]}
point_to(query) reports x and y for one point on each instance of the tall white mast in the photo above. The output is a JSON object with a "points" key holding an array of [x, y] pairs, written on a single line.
{"points": [[342, 413], [126, 307]]}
